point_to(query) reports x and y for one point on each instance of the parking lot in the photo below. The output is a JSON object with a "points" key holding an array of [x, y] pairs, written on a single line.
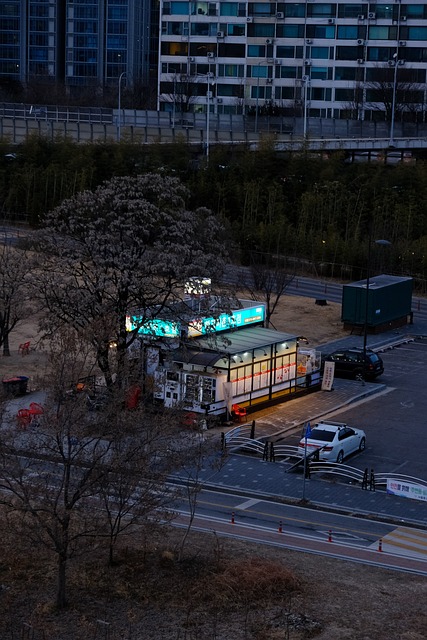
{"points": [[395, 419]]}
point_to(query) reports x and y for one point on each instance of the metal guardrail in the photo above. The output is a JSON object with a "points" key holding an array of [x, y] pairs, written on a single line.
{"points": [[238, 439]]}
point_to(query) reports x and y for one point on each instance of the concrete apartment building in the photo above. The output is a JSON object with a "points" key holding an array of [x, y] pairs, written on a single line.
{"points": [[318, 59], [76, 42], [313, 59]]}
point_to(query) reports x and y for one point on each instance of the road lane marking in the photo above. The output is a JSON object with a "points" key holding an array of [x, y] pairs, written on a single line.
{"points": [[248, 504], [407, 542]]}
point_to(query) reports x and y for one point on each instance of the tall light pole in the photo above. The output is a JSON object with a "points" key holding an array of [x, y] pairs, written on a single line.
{"points": [[257, 97], [396, 62], [119, 120], [208, 114], [384, 243], [393, 102], [174, 102], [306, 80]]}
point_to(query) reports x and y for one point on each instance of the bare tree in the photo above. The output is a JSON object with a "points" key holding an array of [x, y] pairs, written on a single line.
{"points": [[267, 280], [183, 90], [132, 492], [15, 266], [126, 248], [60, 478], [395, 81]]}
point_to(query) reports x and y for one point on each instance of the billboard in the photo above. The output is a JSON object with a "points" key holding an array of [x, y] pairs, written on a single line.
{"points": [[198, 326]]}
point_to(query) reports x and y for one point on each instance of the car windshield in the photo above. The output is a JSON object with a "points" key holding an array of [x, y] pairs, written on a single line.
{"points": [[373, 357], [321, 434]]}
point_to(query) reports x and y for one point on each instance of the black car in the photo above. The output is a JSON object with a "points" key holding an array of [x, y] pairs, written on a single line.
{"points": [[350, 363]]}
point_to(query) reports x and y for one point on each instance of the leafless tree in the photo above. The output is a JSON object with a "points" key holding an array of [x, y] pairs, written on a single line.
{"points": [[61, 476], [267, 280], [126, 248], [183, 90], [15, 265], [399, 81]]}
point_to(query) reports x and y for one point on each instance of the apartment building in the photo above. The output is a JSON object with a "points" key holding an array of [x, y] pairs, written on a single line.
{"points": [[332, 60], [79, 42]]}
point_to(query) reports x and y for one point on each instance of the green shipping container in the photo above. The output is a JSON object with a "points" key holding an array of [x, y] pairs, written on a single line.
{"points": [[389, 300]]}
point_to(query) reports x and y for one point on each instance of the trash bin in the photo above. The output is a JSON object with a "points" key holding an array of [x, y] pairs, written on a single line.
{"points": [[16, 386]]}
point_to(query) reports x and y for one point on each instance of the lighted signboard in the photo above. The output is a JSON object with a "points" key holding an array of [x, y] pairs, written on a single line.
{"points": [[240, 318], [155, 327], [198, 326]]}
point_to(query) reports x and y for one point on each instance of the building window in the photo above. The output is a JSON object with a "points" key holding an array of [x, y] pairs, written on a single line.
{"points": [[321, 53], [352, 10], [321, 10]]}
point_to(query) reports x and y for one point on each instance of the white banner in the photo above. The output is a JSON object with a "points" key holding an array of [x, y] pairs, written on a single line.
{"points": [[328, 376], [407, 490], [228, 395]]}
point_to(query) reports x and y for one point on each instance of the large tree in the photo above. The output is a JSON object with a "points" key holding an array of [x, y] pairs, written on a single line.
{"points": [[126, 247], [15, 265]]}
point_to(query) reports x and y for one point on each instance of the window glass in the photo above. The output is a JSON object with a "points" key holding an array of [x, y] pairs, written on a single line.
{"points": [[261, 9], [294, 10], [178, 8], [417, 33], [321, 53], [352, 10], [231, 70], [321, 31], [256, 51], [383, 10], [321, 10], [284, 93], [348, 32], [290, 31], [319, 73], [287, 72], [382, 33], [236, 29], [228, 9], [261, 30], [345, 73], [416, 11], [347, 53], [379, 54], [257, 71]]}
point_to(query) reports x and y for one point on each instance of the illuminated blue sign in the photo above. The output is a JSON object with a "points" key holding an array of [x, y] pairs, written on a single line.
{"points": [[198, 326]]}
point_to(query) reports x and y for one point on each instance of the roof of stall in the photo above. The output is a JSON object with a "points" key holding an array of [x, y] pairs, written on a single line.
{"points": [[238, 341]]}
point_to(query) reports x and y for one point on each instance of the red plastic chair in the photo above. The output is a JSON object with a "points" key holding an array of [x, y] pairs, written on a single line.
{"points": [[24, 418], [36, 409], [238, 413]]}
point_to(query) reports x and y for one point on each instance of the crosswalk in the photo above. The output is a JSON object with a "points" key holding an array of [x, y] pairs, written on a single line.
{"points": [[406, 542]]}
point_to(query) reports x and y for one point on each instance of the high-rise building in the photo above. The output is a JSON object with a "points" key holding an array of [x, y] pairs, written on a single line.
{"points": [[79, 42], [334, 60]]}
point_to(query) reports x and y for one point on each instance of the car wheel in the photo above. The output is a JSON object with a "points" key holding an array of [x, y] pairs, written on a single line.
{"points": [[340, 457], [358, 375], [362, 444]]}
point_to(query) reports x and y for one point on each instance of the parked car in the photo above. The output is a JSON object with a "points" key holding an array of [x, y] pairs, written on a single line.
{"points": [[351, 363], [333, 440], [37, 112]]}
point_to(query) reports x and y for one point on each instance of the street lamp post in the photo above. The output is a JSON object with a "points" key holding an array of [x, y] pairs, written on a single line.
{"points": [[306, 80], [393, 102], [208, 115], [257, 96], [119, 119], [396, 63], [384, 243]]}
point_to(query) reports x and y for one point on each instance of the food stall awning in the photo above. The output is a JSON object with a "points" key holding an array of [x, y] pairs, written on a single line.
{"points": [[230, 342]]}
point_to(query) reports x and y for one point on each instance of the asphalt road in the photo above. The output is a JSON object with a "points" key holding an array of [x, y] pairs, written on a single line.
{"points": [[313, 531]]}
